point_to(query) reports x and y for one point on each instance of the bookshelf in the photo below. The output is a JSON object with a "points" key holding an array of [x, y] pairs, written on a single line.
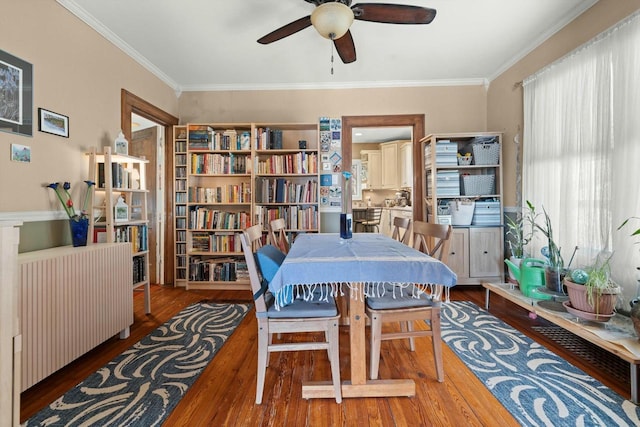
{"points": [[180, 205], [229, 176], [476, 254], [120, 209], [287, 177]]}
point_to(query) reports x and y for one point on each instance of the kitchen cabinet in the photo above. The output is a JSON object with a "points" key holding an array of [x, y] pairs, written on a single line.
{"points": [[389, 153], [371, 173], [406, 165]]}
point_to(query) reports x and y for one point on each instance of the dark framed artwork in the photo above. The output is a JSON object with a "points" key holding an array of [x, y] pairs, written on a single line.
{"points": [[16, 95], [53, 123]]}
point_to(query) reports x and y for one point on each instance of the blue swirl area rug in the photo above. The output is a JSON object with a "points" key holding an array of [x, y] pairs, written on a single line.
{"points": [[141, 386], [538, 387]]}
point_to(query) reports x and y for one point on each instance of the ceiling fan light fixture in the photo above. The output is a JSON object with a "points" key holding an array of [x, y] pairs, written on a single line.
{"points": [[332, 20]]}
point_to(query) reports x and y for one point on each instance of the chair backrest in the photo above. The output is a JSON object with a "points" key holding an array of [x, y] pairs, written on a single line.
{"points": [[251, 240], [374, 215], [432, 239], [400, 223], [278, 235]]}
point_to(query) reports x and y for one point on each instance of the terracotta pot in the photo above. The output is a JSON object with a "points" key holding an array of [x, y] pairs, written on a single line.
{"points": [[604, 304]]}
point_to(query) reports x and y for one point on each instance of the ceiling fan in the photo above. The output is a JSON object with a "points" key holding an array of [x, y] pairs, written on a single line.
{"points": [[332, 19]]}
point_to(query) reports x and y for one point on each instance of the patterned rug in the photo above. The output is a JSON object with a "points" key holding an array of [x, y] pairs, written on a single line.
{"points": [[141, 386], [537, 386]]}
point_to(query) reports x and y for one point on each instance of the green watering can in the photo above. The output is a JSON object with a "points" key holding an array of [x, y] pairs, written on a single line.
{"points": [[530, 275]]}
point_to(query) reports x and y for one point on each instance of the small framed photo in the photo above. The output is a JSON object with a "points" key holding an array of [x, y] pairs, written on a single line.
{"points": [[20, 153], [54, 123]]}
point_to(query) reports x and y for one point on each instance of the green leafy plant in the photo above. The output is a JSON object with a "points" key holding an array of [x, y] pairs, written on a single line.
{"points": [[554, 255], [518, 237]]}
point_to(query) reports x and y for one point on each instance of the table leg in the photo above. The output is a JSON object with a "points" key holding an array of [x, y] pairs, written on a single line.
{"points": [[486, 299], [357, 336], [359, 386]]}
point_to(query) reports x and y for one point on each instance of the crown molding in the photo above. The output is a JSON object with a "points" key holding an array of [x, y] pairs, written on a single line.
{"points": [[332, 85], [566, 19], [85, 17]]}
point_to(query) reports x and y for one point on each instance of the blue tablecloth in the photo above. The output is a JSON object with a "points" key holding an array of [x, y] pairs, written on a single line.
{"points": [[369, 258]]}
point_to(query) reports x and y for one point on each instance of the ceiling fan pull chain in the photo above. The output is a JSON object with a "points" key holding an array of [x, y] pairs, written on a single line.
{"points": [[331, 57]]}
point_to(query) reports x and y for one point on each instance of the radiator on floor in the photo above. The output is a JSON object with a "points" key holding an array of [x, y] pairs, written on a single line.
{"points": [[71, 300]]}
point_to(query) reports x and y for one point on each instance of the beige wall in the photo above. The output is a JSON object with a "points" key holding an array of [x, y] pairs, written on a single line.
{"points": [[77, 73], [446, 109], [505, 96]]}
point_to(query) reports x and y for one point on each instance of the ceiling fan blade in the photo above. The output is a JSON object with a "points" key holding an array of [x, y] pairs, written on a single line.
{"points": [[345, 47], [393, 13], [287, 30]]}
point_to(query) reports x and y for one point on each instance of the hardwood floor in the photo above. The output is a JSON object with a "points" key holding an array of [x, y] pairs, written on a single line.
{"points": [[224, 394]]}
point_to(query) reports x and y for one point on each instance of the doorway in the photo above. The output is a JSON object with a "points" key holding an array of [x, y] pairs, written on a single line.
{"points": [[147, 141], [132, 104], [415, 121]]}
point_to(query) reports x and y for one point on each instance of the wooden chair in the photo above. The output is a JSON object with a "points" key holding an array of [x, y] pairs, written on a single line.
{"points": [[296, 317], [432, 239], [400, 223], [278, 235], [372, 222]]}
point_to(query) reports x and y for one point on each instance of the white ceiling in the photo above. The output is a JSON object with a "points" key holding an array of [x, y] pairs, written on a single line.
{"points": [[211, 44]]}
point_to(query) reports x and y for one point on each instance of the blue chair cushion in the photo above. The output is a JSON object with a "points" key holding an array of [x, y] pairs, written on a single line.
{"points": [[402, 299], [301, 308], [269, 259]]}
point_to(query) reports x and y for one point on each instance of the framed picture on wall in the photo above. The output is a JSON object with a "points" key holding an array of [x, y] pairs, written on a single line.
{"points": [[16, 102], [54, 123]]}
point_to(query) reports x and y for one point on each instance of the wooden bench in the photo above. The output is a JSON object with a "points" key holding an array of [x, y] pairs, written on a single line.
{"points": [[590, 331]]}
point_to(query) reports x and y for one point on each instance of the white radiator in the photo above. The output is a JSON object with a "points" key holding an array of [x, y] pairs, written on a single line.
{"points": [[71, 300]]}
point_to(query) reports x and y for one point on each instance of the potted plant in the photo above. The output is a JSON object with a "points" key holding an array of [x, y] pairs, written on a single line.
{"points": [[554, 271], [591, 290], [519, 235]]}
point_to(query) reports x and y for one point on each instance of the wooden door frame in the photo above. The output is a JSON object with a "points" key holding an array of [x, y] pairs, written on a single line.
{"points": [[416, 121], [129, 104]]}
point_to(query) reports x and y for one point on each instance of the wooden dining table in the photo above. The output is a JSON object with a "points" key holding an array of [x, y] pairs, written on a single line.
{"points": [[360, 266]]}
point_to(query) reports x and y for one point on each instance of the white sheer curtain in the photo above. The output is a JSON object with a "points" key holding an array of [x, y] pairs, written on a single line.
{"points": [[582, 149]]}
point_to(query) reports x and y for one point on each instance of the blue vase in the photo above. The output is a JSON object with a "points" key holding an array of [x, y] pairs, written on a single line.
{"points": [[79, 229], [345, 226]]}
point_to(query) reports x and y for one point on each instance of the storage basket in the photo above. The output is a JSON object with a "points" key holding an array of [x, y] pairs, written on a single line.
{"points": [[465, 160], [486, 153], [478, 185], [461, 211]]}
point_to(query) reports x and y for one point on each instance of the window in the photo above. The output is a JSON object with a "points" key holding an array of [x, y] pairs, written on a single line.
{"points": [[582, 149]]}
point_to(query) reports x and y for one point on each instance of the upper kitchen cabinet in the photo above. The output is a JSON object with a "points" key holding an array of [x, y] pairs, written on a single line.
{"points": [[396, 165], [371, 169]]}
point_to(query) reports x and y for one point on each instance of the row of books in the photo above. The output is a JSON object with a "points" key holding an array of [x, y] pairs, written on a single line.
{"points": [[135, 234], [215, 163], [281, 190], [228, 270], [296, 217], [201, 218], [139, 269], [229, 193], [120, 177], [268, 139], [299, 163], [215, 242], [208, 138]]}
